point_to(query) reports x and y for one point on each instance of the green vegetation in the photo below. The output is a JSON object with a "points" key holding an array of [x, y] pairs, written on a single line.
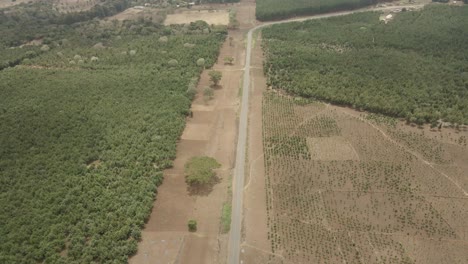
{"points": [[215, 77], [86, 128], [192, 225], [199, 170], [229, 60], [208, 93], [226, 218], [414, 67], [281, 9]]}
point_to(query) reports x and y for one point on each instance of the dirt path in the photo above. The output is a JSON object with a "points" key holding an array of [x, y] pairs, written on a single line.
{"points": [[211, 132]]}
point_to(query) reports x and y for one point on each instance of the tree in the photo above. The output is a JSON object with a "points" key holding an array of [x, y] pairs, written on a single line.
{"points": [[215, 77], [192, 225], [201, 62], [208, 92], [228, 60], [200, 170]]}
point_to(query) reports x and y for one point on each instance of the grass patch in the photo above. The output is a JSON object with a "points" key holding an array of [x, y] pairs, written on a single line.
{"points": [[226, 218]]}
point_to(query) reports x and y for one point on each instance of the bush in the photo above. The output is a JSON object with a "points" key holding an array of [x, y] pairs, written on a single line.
{"points": [[200, 170], [192, 225], [208, 92], [215, 77]]}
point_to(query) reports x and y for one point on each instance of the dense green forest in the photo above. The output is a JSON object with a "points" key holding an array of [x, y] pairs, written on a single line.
{"points": [[86, 127], [281, 9], [415, 67], [39, 21]]}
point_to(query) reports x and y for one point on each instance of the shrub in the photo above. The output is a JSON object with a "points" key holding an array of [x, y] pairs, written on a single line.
{"points": [[192, 225]]}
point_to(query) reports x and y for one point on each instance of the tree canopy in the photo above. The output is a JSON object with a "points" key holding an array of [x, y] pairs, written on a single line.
{"points": [[84, 140], [200, 170], [281, 9], [414, 67]]}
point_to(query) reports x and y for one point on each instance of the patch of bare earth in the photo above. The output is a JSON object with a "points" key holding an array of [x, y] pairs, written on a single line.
{"points": [[342, 187], [212, 131], [215, 17]]}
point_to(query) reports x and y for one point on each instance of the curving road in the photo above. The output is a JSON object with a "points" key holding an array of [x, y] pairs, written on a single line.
{"points": [[238, 179]]}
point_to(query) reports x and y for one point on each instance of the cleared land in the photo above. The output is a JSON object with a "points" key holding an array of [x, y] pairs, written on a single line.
{"points": [[219, 17], [376, 192]]}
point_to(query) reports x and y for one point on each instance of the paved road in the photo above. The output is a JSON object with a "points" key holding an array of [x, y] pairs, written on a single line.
{"points": [[238, 182]]}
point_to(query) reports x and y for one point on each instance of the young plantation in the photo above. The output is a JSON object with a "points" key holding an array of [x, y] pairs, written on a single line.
{"points": [[344, 188]]}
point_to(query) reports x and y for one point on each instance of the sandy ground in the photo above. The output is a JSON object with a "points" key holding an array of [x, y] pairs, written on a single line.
{"points": [[216, 17]]}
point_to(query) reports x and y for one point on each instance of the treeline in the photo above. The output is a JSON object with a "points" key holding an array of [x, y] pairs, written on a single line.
{"points": [[281, 9], [414, 67], [39, 21], [86, 128], [218, 1]]}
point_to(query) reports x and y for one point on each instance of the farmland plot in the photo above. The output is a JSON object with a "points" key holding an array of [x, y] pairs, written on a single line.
{"points": [[343, 187]]}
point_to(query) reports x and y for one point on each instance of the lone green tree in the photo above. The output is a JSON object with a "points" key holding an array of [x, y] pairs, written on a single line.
{"points": [[192, 225], [229, 60], [215, 77], [200, 170]]}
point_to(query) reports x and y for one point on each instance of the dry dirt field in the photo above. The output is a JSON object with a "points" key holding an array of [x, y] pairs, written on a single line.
{"points": [[346, 187], [216, 17]]}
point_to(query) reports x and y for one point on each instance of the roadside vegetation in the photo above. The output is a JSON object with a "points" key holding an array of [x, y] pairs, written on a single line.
{"points": [[341, 188], [281, 9], [87, 124], [226, 218], [414, 67]]}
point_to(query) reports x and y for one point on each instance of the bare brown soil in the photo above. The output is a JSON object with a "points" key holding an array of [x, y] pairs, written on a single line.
{"points": [[216, 17], [155, 14], [349, 188]]}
